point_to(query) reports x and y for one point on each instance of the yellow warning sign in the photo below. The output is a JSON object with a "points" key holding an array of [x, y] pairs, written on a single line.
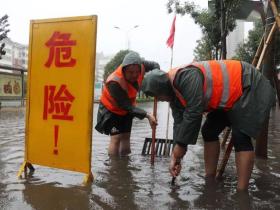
{"points": [[60, 93]]}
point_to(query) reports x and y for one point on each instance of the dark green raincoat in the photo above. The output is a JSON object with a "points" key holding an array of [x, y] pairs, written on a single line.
{"points": [[247, 114]]}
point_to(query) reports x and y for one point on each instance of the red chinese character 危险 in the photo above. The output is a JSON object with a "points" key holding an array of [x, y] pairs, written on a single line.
{"points": [[57, 103], [60, 50]]}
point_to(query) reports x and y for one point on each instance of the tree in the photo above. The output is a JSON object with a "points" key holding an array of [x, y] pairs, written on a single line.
{"points": [[114, 63], [247, 51], [203, 50], [209, 20], [3, 33]]}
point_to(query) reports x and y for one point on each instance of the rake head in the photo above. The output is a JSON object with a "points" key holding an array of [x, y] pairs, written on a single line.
{"points": [[163, 147]]}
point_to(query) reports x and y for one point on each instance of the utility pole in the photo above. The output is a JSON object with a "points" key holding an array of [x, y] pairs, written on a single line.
{"points": [[223, 31], [127, 36]]}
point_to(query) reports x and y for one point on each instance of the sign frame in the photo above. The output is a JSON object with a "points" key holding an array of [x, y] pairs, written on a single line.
{"points": [[28, 157]]}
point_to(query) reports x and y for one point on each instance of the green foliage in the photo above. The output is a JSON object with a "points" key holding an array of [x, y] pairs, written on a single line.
{"points": [[209, 22], [203, 50], [114, 63], [3, 33], [247, 51]]}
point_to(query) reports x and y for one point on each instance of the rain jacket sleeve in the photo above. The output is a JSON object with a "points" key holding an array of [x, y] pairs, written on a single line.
{"points": [[123, 101], [187, 120]]}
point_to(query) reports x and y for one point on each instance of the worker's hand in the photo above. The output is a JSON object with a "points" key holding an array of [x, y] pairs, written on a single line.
{"points": [[152, 120], [176, 157]]}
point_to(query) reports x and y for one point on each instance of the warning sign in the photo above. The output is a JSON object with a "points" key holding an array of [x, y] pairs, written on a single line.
{"points": [[60, 92]]}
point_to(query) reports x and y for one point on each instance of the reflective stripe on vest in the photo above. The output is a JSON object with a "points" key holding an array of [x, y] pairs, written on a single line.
{"points": [[222, 82], [117, 76]]}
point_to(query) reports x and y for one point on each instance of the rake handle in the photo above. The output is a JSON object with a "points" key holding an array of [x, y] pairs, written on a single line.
{"points": [[154, 133], [222, 167]]}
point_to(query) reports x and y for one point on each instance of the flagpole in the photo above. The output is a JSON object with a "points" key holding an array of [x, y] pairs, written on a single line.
{"points": [[170, 43], [171, 60], [168, 114]]}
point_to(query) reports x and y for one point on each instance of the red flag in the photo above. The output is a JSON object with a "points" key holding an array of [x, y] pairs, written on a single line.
{"points": [[170, 40]]}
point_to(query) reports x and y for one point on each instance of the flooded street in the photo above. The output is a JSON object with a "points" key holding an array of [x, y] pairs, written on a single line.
{"points": [[130, 182]]}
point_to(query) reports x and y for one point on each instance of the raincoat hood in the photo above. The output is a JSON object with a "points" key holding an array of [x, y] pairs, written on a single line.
{"points": [[156, 83], [131, 58]]}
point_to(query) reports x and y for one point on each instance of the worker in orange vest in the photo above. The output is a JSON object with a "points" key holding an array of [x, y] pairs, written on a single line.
{"points": [[233, 93], [117, 106]]}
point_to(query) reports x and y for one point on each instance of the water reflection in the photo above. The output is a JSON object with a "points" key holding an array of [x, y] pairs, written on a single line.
{"points": [[244, 201], [50, 196], [130, 182], [3, 195], [210, 194], [178, 202], [119, 183]]}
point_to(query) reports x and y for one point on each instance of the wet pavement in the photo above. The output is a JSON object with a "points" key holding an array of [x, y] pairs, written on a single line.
{"points": [[130, 182]]}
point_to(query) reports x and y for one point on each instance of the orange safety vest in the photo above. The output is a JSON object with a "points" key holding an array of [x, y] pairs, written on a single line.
{"points": [[222, 83], [117, 76]]}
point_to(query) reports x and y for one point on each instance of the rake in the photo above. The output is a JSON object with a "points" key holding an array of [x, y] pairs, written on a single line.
{"points": [[163, 147], [157, 146]]}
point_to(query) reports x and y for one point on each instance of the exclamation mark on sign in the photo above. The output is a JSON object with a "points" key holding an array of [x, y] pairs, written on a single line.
{"points": [[55, 151]]}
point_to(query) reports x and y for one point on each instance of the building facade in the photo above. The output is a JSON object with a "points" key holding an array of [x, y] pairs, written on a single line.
{"points": [[100, 63], [235, 38], [16, 54]]}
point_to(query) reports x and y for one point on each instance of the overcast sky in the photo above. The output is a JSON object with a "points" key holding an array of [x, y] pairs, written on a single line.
{"points": [[148, 39]]}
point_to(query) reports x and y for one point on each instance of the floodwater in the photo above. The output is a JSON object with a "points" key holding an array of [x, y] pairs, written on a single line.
{"points": [[130, 182]]}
